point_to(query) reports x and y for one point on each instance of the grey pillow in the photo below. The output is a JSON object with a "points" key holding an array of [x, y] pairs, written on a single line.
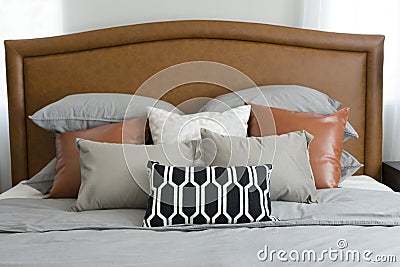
{"points": [[291, 176], [83, 111], [43, 180], [290, 97], [114, 176], [349, 165]]}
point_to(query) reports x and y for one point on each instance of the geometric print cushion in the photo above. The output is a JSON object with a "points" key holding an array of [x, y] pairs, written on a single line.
{"points": [[208, 195]]}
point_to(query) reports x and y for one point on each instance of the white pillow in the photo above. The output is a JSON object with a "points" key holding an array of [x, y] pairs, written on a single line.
{"points": [[167, 127]]}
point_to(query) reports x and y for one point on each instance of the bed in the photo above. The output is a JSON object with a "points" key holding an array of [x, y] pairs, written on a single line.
{"points": [[36, 231]]}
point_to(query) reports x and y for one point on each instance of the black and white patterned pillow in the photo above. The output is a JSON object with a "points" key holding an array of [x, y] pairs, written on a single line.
{"points": [[208, 195]]}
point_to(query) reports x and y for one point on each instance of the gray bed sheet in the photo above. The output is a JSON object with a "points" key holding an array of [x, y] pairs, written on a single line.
{"points": [[43, 232]]}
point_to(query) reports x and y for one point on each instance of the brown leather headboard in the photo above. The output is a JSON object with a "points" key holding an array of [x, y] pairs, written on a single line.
{"points": [[40, 71]]}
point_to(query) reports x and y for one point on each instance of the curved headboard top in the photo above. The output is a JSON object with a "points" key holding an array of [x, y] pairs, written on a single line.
{"points": [[347, 67]]}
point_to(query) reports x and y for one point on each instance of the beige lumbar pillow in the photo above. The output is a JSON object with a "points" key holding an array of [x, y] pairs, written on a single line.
{"points": [[114, 176], [291, 176]]}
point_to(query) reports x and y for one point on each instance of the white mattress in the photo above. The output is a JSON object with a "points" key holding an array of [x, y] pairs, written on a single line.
{"points": [[359, 182]]}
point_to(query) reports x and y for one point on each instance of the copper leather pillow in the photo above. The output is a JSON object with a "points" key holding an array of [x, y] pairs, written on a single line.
{"points": [[325, 149], [68, 176]]}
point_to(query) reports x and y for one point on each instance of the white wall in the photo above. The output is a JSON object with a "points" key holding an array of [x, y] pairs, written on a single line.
{"points": [[81, 15], [21, 19]]}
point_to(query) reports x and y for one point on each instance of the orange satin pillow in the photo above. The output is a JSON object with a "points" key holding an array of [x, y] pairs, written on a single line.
{"points": [[326, 147], [68, 175]]}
